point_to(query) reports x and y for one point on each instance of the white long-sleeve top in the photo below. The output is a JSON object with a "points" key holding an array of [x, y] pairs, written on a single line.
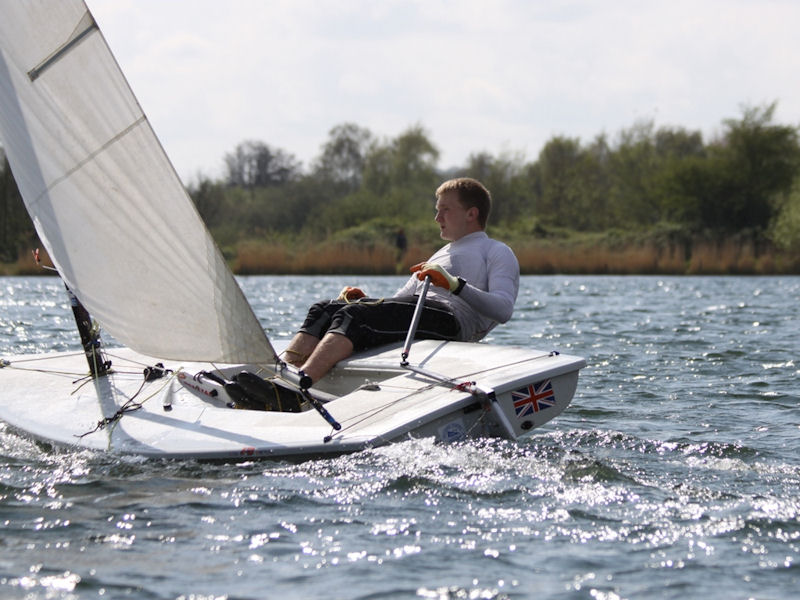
{"points": [[492, 274]]}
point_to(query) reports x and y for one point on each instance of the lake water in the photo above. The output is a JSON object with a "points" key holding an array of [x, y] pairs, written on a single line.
{"points": [[674, 473]]}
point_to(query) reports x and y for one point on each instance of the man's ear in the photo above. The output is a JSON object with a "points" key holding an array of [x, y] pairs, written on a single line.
{"points": [[472, 213]]}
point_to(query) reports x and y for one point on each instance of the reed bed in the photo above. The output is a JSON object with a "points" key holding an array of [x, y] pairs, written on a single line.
{"points": [[254, 257], [26, 265], [699, 257], [645, 259]]}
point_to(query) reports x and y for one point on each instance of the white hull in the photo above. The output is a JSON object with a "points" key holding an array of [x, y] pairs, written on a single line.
{"points": [[39, 395], [116, 219]]}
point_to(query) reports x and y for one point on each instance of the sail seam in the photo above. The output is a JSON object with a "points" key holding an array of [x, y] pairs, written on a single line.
{"points": [[56, 56], [91, 156]]}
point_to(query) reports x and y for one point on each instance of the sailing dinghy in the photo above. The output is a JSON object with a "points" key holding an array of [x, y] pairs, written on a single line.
{"points": [[133, 252]]}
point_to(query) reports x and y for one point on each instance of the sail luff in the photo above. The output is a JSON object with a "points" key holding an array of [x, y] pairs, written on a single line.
{"points": [[105, 199]]}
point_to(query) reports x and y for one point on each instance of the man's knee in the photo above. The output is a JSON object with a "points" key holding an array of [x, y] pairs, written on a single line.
{"points": [[318, 319], [346, 322]]}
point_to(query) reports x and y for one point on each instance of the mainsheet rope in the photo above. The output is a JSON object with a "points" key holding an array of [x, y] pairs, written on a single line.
{"points": [[131, 404]]}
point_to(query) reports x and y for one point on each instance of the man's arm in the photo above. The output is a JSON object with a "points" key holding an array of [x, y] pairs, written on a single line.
{"points": [[496, 303]]}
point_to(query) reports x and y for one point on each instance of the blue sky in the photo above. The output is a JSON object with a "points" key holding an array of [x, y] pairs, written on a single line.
{"points": [[501, 76]]}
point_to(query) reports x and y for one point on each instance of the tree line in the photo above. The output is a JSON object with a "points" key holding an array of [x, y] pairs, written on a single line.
{"points": [[743, 181]]}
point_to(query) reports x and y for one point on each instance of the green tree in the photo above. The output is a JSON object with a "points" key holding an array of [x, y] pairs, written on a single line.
{"points": [[16, 228], [677, 143], [344, 156], [210, 200], [785, 228], [505, 177], [552, 179], [755, 160], [683, 175], [407, 161], [587, 188], [686, 183], [402, 175], [254, 164], [633, 167], [414, 158]]}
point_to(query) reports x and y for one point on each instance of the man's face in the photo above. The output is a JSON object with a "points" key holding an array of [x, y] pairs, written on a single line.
{"points": [[454, 220]]}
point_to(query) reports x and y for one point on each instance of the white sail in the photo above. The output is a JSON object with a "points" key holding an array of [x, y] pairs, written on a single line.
{"points": [[104, 197]]}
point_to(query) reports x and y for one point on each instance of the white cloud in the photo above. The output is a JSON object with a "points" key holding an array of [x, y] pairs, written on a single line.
{"points": [[479, 75]]}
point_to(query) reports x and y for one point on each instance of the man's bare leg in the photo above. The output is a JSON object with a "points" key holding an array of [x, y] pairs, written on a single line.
{"points": [[300, 348], [333, 348]]}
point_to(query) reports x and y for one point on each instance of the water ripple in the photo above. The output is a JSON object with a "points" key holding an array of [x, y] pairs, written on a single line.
{"points": [[673, 474]]}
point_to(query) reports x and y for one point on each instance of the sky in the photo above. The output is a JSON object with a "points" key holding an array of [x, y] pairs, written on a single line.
{"points": [[496, 76]]}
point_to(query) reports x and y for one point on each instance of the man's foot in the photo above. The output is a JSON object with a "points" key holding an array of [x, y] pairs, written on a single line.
{"points": [[261, 394]]}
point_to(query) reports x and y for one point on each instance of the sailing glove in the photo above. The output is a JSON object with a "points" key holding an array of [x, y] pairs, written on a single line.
{"points": [[349, 294], [439, 276]]}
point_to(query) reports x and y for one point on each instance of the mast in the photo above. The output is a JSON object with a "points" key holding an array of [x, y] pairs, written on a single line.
{"points": [[90, 337], [89, 332]]}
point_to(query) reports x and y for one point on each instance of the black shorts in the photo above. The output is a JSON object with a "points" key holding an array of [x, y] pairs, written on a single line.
{"points": [[370, 322]]}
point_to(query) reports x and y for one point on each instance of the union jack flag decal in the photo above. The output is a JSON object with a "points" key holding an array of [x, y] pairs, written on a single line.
{"points": [[533, 398]]}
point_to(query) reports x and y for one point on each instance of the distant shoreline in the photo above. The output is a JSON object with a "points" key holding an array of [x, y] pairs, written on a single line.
{"points": [[536, 257]]}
